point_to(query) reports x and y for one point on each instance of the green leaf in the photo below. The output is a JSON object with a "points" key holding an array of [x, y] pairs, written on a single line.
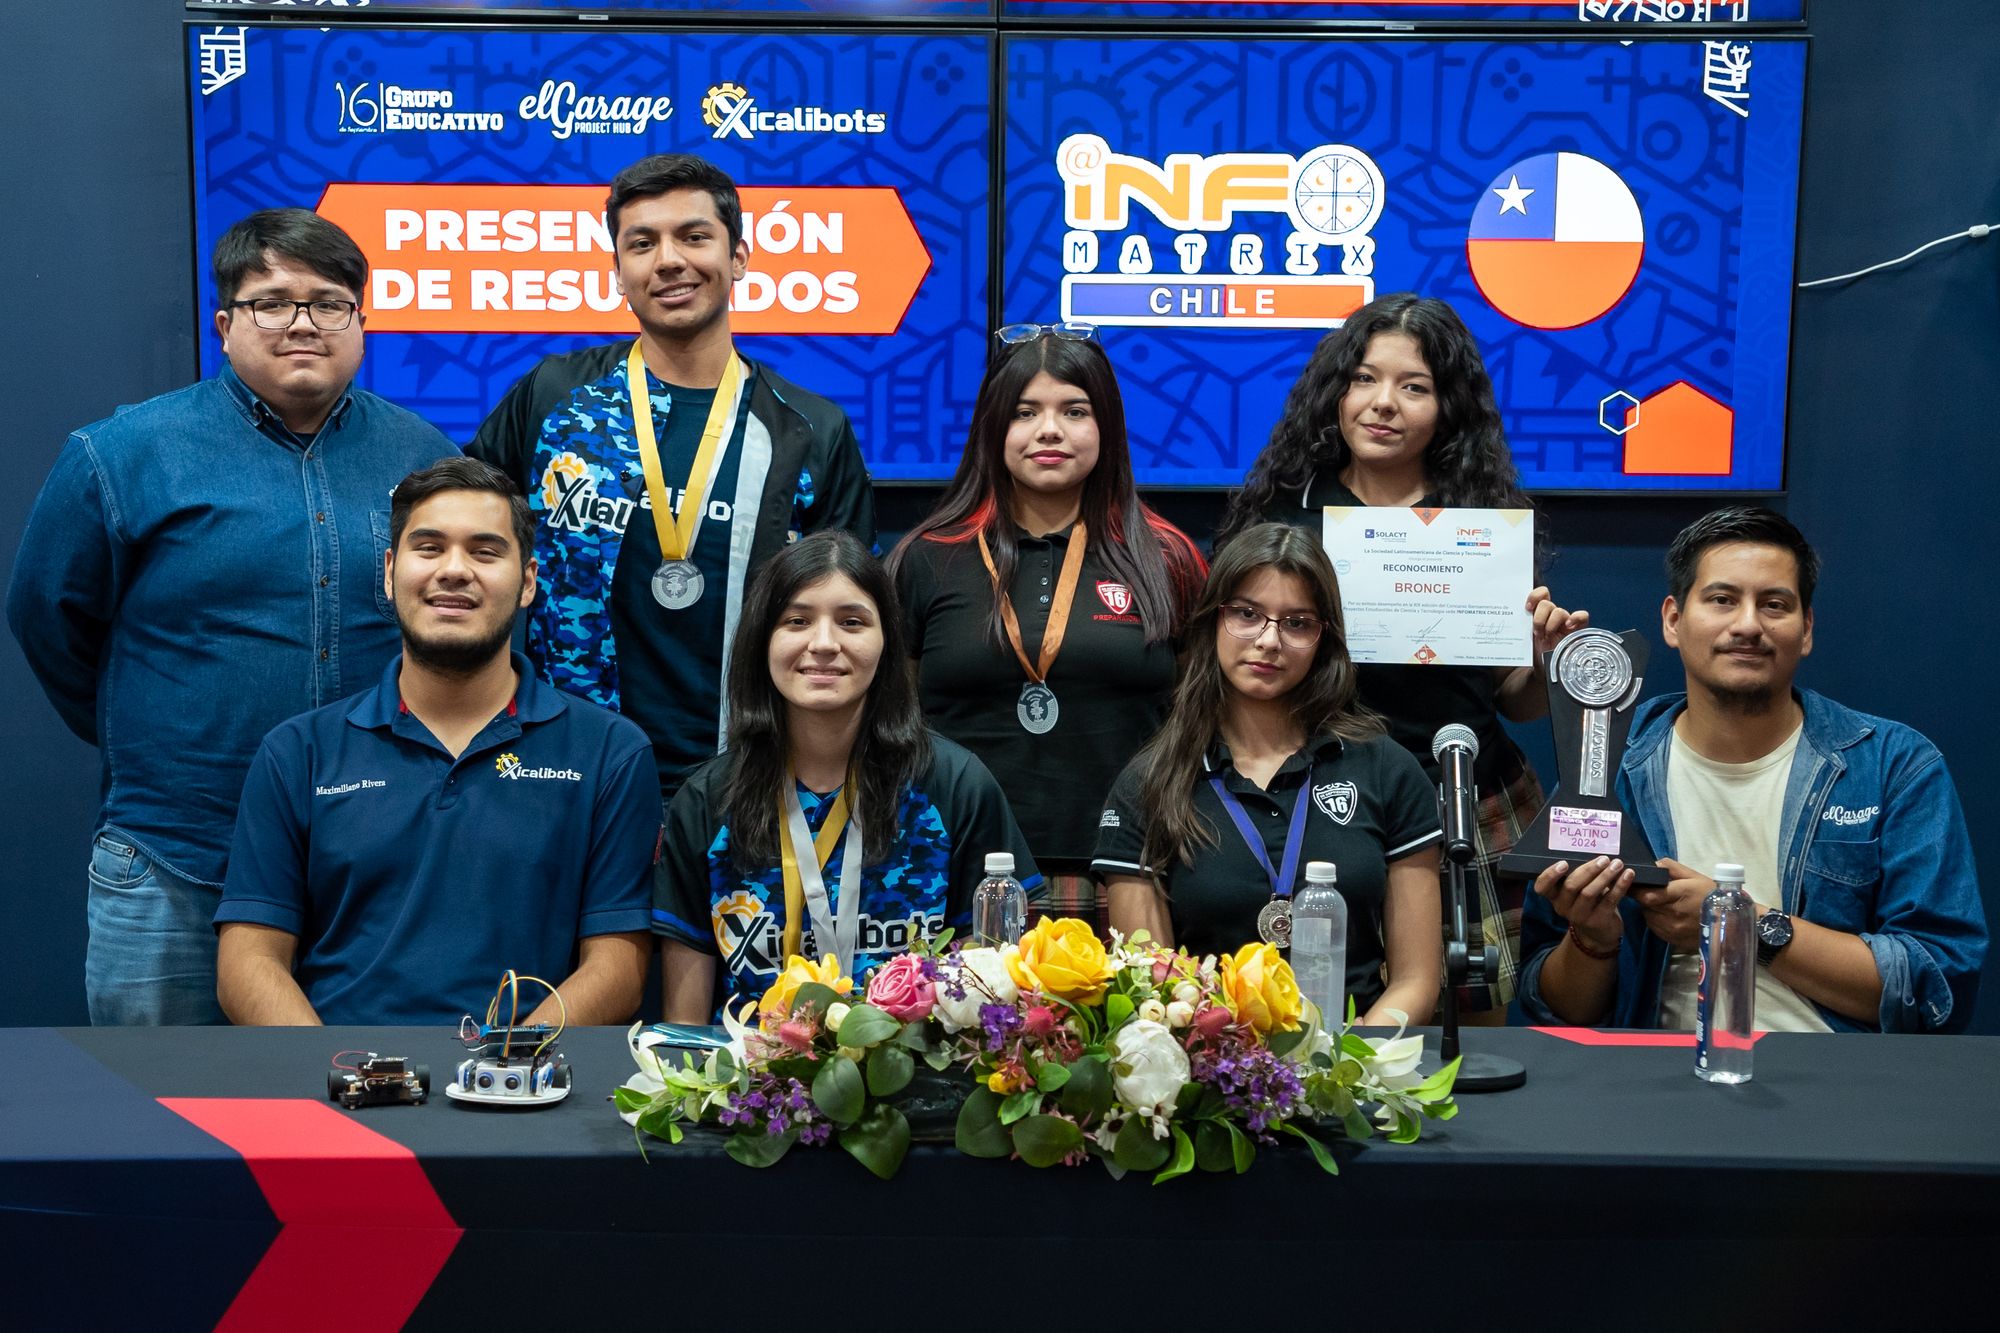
{"points": [[837, 1091], [938, 1058], [1183, 1158], [753, 1147], [1438, 1084], [1135, 1148], [1357, 1047], [1408, 1127], [913, 1036], [1018, 1105], [1356, 1124], [980, 1133], [819, 995], [890, 1069], [865, 1025], [1284, 1043], [1211, 1147], [879, 1139], [1088, 1092], [1241, 1150], [631, 1099], [725, 1066], [657, 1120], [1044, 1140], [1049, 1076], [1319, 1150], [1117, 1008]]}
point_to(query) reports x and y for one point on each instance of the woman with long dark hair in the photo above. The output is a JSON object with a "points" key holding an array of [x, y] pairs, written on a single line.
{"points": [[1044, 597], [834, 824], [1395, 409], [1268, 760]]}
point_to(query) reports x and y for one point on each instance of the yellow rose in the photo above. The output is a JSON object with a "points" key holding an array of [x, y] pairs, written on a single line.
{"points": [[777, 1001], [1259, 987], [1008, 1080], [1063, 959]]}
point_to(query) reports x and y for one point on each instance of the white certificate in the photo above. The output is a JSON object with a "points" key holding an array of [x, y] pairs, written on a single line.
{"points": [[1444, 586]]}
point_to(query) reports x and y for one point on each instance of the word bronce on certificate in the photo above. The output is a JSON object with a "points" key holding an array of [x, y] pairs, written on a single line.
{"points": [[1435, 586]]}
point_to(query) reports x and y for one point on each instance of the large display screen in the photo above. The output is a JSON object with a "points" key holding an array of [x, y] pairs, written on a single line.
{"points": [[470, 164], [595, 10], [1413, 13], [1614, 221]]}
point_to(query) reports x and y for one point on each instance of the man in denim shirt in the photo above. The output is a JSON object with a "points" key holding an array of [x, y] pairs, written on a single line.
{"points": [[197, 569], [1849, 830]]}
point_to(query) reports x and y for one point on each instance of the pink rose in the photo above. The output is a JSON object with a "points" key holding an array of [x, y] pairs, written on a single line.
{"points": [[1213, 1021], [900, 989], [1163, 967]]}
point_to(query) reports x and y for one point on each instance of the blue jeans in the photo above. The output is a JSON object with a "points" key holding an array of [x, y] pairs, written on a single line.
{"points": [[151, 956]]}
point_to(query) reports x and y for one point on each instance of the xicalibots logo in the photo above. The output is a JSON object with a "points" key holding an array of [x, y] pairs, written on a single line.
{"points": [[730, 111], [509, 766]]}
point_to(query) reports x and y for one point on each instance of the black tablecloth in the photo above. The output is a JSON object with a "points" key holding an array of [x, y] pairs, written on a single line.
{"points": [[1855, 1178]]}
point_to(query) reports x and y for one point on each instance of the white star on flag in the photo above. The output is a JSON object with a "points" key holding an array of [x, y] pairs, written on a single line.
{"points": [[1514, 196]]}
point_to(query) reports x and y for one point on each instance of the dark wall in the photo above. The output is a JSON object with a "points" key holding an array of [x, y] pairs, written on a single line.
{"points": [[1895, 384]]}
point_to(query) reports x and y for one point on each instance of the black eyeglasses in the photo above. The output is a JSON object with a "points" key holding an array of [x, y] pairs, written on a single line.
{"points": [[1247, 622], [277, 312], [1071, 330]]}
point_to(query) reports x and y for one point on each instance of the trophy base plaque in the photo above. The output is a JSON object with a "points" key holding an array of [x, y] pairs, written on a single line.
{"points": [[1577, 832]]}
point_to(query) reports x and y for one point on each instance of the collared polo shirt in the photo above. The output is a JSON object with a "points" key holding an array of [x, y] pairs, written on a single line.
{"points": [[1370, 806], [1111, 686], [948, 820], [413, 879]]}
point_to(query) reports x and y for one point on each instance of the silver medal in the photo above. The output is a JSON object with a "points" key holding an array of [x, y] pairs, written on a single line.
{"points": [[1274, 922], [677, 584], [1037, 708]]}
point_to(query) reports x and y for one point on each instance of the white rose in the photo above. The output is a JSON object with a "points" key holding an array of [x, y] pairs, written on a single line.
{"points": [[835, 1016], [1188, 993], [1179, 1014], [1148, 1067], [1394, 1063], [982, 975], [1153, 1011]]}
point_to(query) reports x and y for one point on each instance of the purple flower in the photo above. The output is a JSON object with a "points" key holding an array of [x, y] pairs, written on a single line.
{"points": [[999, 1022]]}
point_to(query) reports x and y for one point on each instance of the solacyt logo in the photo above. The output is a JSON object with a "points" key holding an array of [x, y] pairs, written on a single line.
{"points": [[730, 111]]}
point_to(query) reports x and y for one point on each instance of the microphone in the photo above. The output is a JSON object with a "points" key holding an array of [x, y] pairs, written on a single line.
{"points": [[1455, 747]]}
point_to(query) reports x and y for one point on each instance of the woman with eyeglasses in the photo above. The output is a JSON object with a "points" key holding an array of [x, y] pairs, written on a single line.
{"points": [[1267, 761], [835, 823], [1394, 408], [1044, 598]]}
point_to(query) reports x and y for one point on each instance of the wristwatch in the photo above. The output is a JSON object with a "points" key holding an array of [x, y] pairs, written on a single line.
{"points": [[1774, 932]]}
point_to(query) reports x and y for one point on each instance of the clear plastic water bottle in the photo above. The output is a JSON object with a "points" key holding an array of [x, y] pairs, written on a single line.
{"points": [[1319, 944], [1725, 1006], [999, 904]]}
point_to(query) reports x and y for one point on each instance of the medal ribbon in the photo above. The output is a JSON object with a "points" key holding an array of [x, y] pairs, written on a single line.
{"points": [[1295, 839], [677, 533], [805, 886], [1052, 635]]}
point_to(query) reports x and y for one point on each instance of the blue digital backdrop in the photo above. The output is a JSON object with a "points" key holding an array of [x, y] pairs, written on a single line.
{"points": [[1137, 171], [291, 115]]}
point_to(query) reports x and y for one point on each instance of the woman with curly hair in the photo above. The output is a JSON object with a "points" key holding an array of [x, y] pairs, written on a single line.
{"points": [[1395, 409]]}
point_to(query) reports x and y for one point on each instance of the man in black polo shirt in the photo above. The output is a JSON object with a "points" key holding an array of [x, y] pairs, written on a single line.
{"points": [[396, 852], [650, 522]]}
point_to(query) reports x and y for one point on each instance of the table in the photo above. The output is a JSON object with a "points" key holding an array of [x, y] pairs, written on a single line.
{"points": [[1856, 1178]]}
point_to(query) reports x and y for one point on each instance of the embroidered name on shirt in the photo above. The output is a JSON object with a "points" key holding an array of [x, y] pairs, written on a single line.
{"points": [[1109, 819], [509, 766], [1840, 814], [347, 787]]}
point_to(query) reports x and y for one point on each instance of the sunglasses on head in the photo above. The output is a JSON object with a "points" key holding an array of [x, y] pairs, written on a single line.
{"points": [[1074, 330]]}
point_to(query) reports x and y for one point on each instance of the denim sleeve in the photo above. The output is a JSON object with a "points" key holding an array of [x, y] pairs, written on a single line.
{"points": [[65, 589], [624, 834], [1541, 931], [266, 881], [1928, 934]]}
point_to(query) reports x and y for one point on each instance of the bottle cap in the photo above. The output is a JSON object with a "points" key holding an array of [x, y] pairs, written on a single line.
{"points": [[999, 863], [1320, 872], [1728, 873]]}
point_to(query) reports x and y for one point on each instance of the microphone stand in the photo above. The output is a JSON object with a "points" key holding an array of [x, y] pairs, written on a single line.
{"points": [[1480, 1072]]}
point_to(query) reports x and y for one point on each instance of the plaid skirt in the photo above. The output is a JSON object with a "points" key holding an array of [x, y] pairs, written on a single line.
{"points": [[1495, 907], [1078, 896]]}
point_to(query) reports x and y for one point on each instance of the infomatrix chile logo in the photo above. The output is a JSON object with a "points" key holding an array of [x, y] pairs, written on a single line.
{"points": [[509, 766]]}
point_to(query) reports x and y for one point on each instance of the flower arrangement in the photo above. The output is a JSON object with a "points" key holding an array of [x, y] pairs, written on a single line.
{"points": [[1145, 1058]]}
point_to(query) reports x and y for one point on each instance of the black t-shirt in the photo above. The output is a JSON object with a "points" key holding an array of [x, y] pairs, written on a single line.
{"points": [[1416, 700], [1111, 686], [670, 662], [1371, 805], [948, 821]]}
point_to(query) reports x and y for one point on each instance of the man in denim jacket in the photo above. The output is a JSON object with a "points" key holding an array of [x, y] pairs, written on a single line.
{"points": [[197, 569], [1854, 845]]}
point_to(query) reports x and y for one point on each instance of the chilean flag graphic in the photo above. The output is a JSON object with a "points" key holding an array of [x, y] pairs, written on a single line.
{"points": [[1555, 241]]}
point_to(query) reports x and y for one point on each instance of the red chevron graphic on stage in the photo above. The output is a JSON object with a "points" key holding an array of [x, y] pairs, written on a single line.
{"points": [[357, 1213]]}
